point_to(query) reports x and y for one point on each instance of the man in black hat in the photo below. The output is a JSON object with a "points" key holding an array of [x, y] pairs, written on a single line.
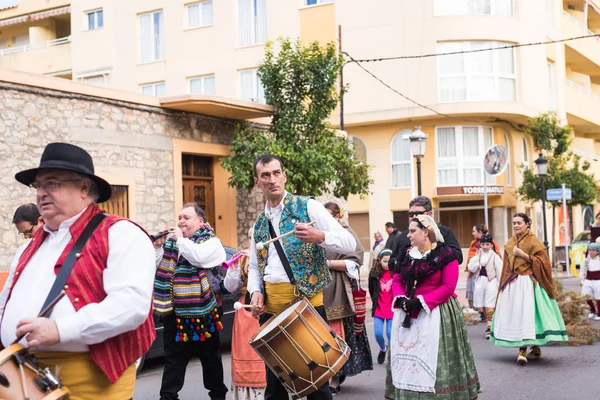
{"points": [[104, 323]]}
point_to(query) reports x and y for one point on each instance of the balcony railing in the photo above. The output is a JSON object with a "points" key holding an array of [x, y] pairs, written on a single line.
{"points": [[581, 25], [35, 46], [584, 90]]}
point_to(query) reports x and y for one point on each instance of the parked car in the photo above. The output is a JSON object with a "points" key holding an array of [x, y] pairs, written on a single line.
{"points": [[581, 241], [157, 350]]}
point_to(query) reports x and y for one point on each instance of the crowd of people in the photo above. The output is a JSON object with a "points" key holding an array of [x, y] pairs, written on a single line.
{"points": [[115, 276]]}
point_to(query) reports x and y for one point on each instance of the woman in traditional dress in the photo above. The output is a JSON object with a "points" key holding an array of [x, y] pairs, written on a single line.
{"points": [[430, 353], [248, 374], [339, 305], [526, 312]]}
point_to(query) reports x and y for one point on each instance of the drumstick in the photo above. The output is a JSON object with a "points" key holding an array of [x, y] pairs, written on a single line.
{"points": [[261, 245], [44, 312], [238, 306]]}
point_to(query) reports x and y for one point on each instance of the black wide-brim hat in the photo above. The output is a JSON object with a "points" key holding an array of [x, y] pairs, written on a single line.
{"points": [[67, 157]]}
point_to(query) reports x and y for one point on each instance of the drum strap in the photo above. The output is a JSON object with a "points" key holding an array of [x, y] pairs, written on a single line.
{"points": [[74, 254], [284, 260]]}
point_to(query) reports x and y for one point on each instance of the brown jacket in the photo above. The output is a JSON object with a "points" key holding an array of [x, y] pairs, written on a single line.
{"points": [[539, 266]]}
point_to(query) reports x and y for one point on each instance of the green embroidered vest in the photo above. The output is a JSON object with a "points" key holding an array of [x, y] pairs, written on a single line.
{"points": [[307, 260]]}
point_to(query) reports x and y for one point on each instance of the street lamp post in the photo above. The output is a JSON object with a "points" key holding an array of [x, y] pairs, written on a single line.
{"points": [[418, 140], [541, 164]]}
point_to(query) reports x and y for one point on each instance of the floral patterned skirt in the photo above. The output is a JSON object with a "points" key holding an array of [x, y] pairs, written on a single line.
{"points": [[360, 356], [456, 376], [247, 393]]}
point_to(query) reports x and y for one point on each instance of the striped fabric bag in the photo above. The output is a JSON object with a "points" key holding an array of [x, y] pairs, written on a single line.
{"points": [[360, 303]]}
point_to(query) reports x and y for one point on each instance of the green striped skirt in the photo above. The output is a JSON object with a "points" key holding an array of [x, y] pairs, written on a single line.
{"points": [[456, 375]]}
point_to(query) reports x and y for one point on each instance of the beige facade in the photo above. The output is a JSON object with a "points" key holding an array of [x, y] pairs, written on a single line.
{"points": [[175, 48]]}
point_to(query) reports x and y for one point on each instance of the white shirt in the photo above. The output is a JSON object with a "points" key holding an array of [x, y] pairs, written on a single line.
{"points": [[337, 239], [128, 282], [207, 254], [589, 264], [9, 279]]}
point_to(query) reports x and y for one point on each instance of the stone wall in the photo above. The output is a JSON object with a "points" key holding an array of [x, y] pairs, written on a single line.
{"points": [[120, 137]]}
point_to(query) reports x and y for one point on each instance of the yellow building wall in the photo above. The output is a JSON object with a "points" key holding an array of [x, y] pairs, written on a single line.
{"points": [[317, 23]]}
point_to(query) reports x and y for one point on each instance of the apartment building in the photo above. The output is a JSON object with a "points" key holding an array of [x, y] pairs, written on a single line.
{"points": [[465, 102]]}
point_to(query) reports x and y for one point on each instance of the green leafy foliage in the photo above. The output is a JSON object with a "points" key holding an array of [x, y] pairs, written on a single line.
{"points": [[564, 166], [547, 134], [301, 84], [568, 169]]}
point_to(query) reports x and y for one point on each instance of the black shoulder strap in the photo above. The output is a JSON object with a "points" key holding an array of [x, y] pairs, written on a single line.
{"points": [[73, 255], [282, 256]]}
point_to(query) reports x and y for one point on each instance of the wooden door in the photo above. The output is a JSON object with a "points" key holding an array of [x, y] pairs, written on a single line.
{"points": [[200, 191]]}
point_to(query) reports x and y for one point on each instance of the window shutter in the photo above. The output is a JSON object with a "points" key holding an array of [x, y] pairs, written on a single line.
{"points": [[146, 37], [261, 21], [245, 22], [247, 85], [207, 13]]}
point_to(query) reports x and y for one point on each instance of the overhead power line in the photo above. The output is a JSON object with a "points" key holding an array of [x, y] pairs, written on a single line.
{"points": [[512, 46], [406, 97]]}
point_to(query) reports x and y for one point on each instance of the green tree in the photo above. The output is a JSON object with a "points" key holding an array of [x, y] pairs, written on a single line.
{"points": [[552, 140], [301, 84]]}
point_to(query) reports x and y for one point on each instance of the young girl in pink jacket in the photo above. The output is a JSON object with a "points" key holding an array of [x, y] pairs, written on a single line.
{"points": [[430, 350]]}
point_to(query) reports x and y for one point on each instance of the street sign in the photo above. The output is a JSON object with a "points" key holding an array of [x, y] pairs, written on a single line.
{"points": [[556, 194], [495, 160]]}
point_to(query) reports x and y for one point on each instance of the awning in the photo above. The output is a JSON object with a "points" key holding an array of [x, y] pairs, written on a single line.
{"points": [[15, 20], [216, 106], [36, 16], [50, 13]]}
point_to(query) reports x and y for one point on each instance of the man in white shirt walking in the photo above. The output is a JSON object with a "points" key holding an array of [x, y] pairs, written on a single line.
{"points": [[184, 299], [104, 323], [268, 282]]}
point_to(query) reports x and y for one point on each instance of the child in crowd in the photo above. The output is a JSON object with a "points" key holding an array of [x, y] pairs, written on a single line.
{"points": [[486, 267], [380, 289], [590, 280]]}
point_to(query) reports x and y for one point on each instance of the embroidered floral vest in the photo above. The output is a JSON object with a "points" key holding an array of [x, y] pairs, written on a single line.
{"points": [[307, 260]]}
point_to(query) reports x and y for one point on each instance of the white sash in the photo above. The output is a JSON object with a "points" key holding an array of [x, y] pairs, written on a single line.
{"points": [[414, 351]]}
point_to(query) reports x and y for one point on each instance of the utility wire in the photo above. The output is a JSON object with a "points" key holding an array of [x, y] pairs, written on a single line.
{"points": [[512, 46], [406, 97]]}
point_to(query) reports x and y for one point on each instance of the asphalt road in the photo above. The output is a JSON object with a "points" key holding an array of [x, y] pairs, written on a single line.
{"points": [[563, 372]]}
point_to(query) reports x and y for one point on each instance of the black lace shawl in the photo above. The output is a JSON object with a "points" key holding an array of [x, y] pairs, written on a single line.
{"points": [[415, 271]]}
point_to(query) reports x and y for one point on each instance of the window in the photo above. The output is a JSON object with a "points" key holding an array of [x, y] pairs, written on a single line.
{"points": [[203, 84], [252, 22], [316, 2], [525, 154], [118, 204], [152, 37], [200, 14], [481, 76], [95, 19], [251, 88], [154, 89], [98, 80], [502, 8], [460, 152], [508, 173], [552, 90], [359, 148], [401, 160]]}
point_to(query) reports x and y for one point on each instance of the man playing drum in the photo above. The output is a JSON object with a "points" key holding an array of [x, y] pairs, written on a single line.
{"points": [[268, 281], [103, 324]]}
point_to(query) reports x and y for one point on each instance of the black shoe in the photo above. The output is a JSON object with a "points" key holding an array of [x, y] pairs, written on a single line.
{"points": [[381, 356], [482, 316], [335, 391]]}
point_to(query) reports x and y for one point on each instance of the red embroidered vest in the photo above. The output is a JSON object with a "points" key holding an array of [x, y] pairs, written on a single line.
{"points": [[84, 286]]}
